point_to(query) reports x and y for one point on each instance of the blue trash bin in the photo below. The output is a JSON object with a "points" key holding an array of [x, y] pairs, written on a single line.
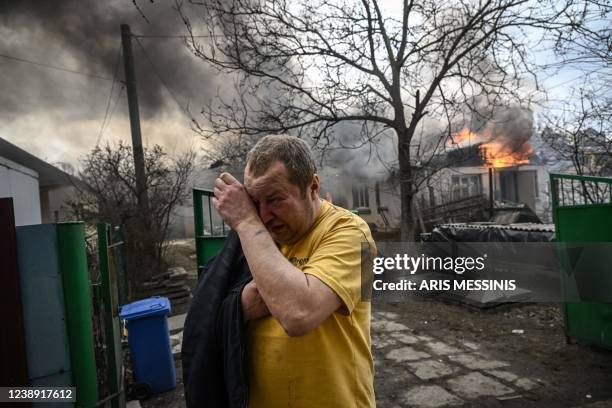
{"points": [[149, 342]]}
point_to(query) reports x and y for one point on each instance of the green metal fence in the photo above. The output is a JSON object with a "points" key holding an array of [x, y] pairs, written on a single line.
{"points": [[582, 210], [77, 297], [110, 256], [70, 339], [210, 230]]}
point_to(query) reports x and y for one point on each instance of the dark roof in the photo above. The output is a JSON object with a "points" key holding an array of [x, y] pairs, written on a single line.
{"points": [[48, 175], [465, 156], [458, 157], [471, 156]]}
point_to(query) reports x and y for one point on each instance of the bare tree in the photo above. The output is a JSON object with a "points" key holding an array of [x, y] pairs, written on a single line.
{"points": [[579, 128], [304, 66], [580, 132], [586, 41], [108, 193]]}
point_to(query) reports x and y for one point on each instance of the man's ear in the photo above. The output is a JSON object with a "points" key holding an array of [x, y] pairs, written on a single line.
{"points": [[315, 186]]}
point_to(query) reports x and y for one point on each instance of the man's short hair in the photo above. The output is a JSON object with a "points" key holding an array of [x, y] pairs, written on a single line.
{"points": [[294, 153]]}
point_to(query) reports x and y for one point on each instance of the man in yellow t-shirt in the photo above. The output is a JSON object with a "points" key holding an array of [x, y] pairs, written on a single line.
{"points": [[309, 330]]}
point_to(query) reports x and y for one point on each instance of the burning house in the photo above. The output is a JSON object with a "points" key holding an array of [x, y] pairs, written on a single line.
{"points": [[486, 175], [492, 174]]}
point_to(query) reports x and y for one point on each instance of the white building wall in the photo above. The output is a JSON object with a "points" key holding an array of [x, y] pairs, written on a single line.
{"points": [[342, 196], [443, 190], [543, 200], [21, 184]]}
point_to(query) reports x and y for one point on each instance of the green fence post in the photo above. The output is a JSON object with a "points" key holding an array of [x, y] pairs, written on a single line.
{"points": [[77, 295], [108, 277], [116, 237], [198, 218]]}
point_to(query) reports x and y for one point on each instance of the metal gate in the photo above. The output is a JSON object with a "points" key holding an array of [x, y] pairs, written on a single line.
{"points": [[50, 338], [109, 289], [210, 230], [582, 210]]}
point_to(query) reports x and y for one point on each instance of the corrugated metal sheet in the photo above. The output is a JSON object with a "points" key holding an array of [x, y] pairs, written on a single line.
{"points": [[43, 306]]}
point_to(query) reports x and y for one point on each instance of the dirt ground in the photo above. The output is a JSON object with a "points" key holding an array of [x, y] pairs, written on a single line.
{"points": [[561, 374], [567, 375]]}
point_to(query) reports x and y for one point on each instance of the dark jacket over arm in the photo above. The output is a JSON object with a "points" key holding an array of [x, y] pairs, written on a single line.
{"points": [[214, 345]]}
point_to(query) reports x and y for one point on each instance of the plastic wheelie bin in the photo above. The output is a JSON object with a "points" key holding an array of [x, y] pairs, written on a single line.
{"points": [[150, 347]]}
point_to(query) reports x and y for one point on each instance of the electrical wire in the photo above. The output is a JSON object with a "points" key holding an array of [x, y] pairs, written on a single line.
{"points": [[110, 115], [185, 36], [574, 79], [40, 64], [110, 96]]}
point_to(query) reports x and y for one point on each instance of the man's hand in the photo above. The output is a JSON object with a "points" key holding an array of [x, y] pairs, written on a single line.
{"points": [[232, 201], [253, 306]]}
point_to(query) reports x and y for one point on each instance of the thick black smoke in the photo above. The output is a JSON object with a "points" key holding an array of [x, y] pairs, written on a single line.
{"points": [[512, 128], [88, 31]]}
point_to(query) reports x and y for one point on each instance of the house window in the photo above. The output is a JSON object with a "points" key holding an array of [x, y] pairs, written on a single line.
{"points": [[361, 197], [466, 186]]}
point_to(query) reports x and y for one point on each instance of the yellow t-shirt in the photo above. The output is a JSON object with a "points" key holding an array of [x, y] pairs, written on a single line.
{"points": [[331, 365]]}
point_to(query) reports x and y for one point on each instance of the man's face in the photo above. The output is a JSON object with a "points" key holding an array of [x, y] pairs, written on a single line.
{"points": [[286, 211]]}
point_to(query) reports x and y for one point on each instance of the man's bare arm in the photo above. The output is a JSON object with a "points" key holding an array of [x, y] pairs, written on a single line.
{"points": [[253, 305], [300, 302]]}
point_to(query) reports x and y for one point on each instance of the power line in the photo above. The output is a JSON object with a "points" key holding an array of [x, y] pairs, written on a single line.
{"points": [[111, 114], [110, 95], [40, 64], [575, 79], [184, 109], [185, 36]]}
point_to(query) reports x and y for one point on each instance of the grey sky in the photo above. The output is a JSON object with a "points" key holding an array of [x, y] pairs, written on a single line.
{"points": [[58, 115]]}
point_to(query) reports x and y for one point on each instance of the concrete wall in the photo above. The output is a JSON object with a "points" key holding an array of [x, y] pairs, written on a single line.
{"points": [[21, 184], [542, 198]]}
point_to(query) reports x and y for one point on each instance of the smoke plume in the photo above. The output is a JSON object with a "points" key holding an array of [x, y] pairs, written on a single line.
{"points": [[85, 36], [512, 126]]}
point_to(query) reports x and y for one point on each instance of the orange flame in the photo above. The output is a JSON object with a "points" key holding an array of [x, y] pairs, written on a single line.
{"points": [[496, 153], [463, 138]]}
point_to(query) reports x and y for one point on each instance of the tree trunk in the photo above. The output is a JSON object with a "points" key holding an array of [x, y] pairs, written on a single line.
{"points": [[407, 227]]}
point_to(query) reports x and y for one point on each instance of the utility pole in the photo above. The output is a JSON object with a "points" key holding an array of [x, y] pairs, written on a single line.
{"points": [[130, 82]]}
